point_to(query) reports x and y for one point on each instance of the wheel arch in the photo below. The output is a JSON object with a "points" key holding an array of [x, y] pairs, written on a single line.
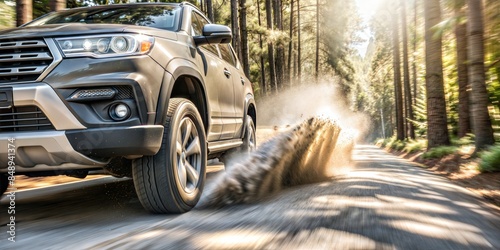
{"points": [[185, 82], [251, 110]]}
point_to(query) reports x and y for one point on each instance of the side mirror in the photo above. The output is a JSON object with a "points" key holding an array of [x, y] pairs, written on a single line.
{"points": [[214, 34]]}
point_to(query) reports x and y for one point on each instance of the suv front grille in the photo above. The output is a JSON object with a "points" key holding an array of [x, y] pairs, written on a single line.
{"points": [[26, 118], [23, 60]]}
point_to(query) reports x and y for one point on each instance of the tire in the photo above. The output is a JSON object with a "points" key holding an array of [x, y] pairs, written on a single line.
{"points": [[249, 144], [172, 180], [250, 139], [4, 183]]}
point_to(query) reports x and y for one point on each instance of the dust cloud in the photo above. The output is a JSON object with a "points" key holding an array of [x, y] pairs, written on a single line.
{"points": [[296, 104], [315, 146]]}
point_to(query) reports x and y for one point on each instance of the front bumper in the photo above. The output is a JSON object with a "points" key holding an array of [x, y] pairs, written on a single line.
{"points": [[127, 141], [70, 144]]}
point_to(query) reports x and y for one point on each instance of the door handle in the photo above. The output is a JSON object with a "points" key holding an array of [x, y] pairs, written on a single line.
{"points": [[227, 73]]}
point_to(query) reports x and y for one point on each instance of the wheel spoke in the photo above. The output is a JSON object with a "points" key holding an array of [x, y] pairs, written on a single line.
{"points": [[192, 174], [194, 147], [178, 148], [181, 170], [187, 133]]}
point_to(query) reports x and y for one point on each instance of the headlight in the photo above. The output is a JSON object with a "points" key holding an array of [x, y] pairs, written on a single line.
{"points": [[105, 45]]}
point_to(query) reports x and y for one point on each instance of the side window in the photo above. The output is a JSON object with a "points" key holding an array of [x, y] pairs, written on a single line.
{"points": [[197, 29], [227, 54], [201, 22]]}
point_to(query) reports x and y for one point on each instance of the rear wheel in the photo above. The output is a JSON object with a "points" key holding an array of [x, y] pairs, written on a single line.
{"points": [[249, 144], [250, 139], [172, 180]]}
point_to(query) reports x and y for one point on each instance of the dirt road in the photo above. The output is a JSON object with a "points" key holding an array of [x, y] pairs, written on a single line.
{"points": [[381, 202]]}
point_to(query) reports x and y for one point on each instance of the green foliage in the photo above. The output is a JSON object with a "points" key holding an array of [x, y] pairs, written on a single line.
{"points": [[381, 142], [490, 160], [407, 146], [391, 143], [413, 146], [7, 15], [464, 141], [439, 152], [420, 113]]}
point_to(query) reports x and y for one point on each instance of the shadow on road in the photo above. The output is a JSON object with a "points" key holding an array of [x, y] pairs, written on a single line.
{"points": [[381, 203]]}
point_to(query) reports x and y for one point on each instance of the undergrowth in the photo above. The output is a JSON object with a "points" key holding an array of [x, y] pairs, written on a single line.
{"points": [[490, 160]]}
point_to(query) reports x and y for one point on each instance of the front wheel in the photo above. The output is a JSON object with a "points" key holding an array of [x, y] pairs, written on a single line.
{"points": [[172, 180]]}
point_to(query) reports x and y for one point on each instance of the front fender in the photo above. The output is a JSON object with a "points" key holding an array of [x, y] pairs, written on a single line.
{"points": [[175, 69]]}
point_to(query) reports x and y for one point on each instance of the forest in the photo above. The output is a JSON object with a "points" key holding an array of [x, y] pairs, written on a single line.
{"points": [[427, 72]]}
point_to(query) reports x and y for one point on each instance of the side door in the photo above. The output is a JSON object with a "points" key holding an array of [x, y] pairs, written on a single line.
{"points": [[212, 65], [238, 83], [222, 83]]}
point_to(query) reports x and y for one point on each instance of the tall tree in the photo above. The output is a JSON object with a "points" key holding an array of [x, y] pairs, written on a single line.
{"points": [[437, 126], [316, 72], [406, 73], [414, 59], [290, 44], [270, 46], [235, 27], [299, 45], [464, 123], [210, 10], [263, 85], [56, 5], [398, 91], [244, 37], [479, 95], [24, 10], [280, 50]]}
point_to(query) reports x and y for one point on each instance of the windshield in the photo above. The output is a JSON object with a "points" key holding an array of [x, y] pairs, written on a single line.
{"points": [[157, 16]]}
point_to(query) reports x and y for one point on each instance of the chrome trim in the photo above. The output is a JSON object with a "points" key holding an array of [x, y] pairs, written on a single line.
{"points": [[22, 44], [43, 96], [19, 71], [216, 147], [44, 150], [38, 70], [56, 54], [25, 57]]}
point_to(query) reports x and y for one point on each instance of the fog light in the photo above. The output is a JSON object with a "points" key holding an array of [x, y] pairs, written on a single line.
{"points": [[120, 112]]}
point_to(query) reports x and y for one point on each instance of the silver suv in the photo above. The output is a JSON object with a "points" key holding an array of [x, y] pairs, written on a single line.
{"points": [[148, 91]]}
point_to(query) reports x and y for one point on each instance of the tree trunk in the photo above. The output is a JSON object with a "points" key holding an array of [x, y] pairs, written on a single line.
{"points": [[290, 45], [463, 79], [299, 45], [280, 50], [235, 27], [480, 116], [316, 72], [24, 10], [262, 62], [437, 126], [56, 5], [414, 61], [397, 79], [244, 38], [210, 10], [270, 47], [406, 73]]}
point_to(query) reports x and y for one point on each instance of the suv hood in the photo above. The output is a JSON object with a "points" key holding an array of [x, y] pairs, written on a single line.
{"points": [[70, 29]]}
